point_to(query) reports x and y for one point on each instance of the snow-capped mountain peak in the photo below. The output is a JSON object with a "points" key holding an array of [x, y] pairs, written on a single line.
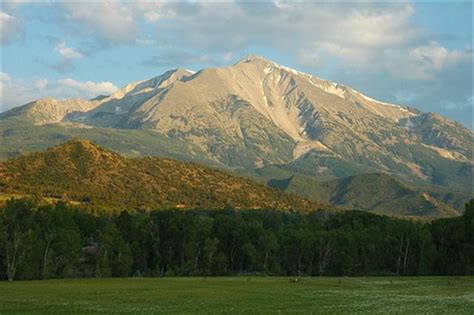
{"points": [[257, 112]]}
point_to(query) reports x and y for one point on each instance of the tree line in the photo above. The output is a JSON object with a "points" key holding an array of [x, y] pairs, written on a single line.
{"points": [[60, 241]]}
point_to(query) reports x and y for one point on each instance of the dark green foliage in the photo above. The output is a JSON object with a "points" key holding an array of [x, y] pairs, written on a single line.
{"points": [[58, 241]]}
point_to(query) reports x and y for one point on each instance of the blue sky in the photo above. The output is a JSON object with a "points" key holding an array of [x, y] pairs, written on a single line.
{"points": [[412, 53]]}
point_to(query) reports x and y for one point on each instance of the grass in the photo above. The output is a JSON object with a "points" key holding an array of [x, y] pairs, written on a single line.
{"points": [[416, 295]]}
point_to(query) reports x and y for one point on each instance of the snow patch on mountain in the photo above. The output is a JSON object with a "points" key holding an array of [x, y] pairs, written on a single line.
{"points": [[403, 109], [328, 86], [331, 88]]}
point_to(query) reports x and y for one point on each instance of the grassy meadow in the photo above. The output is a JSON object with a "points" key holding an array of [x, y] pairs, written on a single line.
{"points": [[406, 295]]}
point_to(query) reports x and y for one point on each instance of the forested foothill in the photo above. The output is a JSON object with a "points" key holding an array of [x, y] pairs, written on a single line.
{"points": [[61, 241]]}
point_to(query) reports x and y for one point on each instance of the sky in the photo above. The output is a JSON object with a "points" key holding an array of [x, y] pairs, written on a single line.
{"points": [[410, 53]]}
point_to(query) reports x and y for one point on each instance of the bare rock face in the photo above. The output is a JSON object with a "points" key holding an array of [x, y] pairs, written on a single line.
{"points": [[256, 113]]}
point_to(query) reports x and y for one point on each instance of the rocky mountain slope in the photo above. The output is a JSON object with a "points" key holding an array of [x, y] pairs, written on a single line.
{"points": [[83, 173]]}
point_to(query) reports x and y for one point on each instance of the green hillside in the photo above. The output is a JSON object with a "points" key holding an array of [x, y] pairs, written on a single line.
{"points": [[82, 172], [376, 192]]}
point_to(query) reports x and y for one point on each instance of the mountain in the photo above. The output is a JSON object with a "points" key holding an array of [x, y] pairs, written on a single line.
{"points": [[256, 115], [84, 173], [376, 192], [48, 110]]}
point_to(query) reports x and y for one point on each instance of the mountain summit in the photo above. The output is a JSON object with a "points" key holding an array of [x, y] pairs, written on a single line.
{"points": [[259, 114]]}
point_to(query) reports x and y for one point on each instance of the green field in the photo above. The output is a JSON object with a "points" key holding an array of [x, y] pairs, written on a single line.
{"points": [[417, 295]]}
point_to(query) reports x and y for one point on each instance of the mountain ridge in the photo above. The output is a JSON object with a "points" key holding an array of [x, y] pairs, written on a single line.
{"points": [[373, 192]]}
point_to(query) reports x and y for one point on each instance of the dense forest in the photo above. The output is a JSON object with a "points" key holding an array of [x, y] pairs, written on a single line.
{"points": [[58, 241]]}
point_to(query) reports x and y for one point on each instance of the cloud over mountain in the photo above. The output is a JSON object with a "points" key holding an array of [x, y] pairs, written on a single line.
{"points": [[16, 91]]}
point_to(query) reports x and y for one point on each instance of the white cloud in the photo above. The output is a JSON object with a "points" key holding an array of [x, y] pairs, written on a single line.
{"points": [[88, 89], [424, 62], [224, 25], [369, 36], [11, 28], [437, 56], [377, 27], [110, 21], [355, 33], [113, 22], [18, 92], [67, 52]]}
